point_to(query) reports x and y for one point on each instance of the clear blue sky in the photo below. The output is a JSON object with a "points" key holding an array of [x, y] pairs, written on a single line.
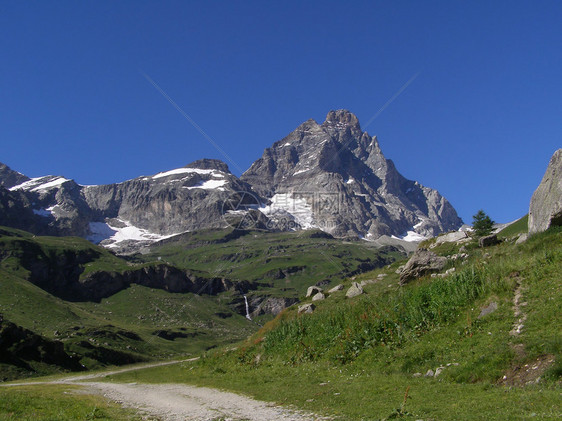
{"points": [[479, 122]]}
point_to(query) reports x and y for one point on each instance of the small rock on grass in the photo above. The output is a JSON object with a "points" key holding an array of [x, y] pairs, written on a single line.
{"points": [[306, 308], [318, 296], [490, 308], [335, 289], [354, 290], [313, 290]]}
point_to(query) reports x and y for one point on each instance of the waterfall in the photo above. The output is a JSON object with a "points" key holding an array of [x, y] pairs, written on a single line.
{"points": [[247, 308]]}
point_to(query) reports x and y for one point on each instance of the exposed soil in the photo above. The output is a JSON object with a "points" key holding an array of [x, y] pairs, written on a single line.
{"points": [[529, 373]]}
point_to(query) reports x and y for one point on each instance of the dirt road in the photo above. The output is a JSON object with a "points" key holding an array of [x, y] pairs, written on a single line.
{"points": [[183, 402], [180, 401]]}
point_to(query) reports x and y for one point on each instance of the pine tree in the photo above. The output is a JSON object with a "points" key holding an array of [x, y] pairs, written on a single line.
{"points": [[482, 224]]}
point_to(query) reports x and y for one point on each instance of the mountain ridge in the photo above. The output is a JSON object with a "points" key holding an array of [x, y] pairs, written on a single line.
{"points": [[331, 176]]}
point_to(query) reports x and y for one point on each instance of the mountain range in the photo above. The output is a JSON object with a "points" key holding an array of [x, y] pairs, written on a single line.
{"points": [[332, 176]]}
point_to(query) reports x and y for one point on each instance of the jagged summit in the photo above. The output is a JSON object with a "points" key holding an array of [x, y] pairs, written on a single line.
{"points": [[209, 164], [341, 118]]}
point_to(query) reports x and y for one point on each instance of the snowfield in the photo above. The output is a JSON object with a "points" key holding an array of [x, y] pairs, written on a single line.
{"points": [[112, 235]]}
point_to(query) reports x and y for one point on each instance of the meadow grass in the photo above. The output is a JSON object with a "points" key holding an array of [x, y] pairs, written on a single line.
{"points": [[57, 403]]}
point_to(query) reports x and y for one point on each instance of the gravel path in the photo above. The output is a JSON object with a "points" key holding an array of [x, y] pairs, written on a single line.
{"points": [[180, 401]]}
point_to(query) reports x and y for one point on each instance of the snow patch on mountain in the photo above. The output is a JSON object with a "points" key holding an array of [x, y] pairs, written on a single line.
{"points": [[209, 185], [113, 235], [40, 183], [410, 236], [177, 171], [282, 204]]}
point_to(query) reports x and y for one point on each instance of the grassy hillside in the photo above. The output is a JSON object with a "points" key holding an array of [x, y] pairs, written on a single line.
{"points": [[359, 358], [136, 324], [140, 323], [518, 227], [283, 264]]}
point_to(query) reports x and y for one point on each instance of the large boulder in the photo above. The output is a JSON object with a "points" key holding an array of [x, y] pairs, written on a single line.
{"points": [[421, 263], [451, 237], [546, 204], [488, 240]]}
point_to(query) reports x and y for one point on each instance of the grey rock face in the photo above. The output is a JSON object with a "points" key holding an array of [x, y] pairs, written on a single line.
{"points": [[141, 210], [270, 305], [10, 178], [490, 308], [331, 176], [451, 237], [522, 238], [334, 176], [421, 263], [545, 209]]}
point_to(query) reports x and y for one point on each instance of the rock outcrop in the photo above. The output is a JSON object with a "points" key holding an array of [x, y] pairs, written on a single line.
{"points": [[313, 290], [488, 240], [270, 305], [545, 209], [10, 178], [19, 347], [421, 263]]}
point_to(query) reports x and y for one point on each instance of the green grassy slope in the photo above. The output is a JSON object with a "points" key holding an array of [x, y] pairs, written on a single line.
{"points": [[357, 357], [140, 323], [284, 264], [518, 227], [136, 324]]}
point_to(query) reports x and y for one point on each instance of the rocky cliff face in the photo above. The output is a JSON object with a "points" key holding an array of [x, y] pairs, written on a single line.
{"points": [[335, 177], [545, 209], [129, 214], [9, 177]]}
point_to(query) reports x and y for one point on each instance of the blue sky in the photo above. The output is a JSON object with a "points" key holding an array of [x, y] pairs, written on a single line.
{"points": [[479, 122]]}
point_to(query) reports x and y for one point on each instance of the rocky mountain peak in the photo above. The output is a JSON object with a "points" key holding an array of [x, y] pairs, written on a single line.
{"points": [[209, 164], [334, 177], [342, 118]]}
